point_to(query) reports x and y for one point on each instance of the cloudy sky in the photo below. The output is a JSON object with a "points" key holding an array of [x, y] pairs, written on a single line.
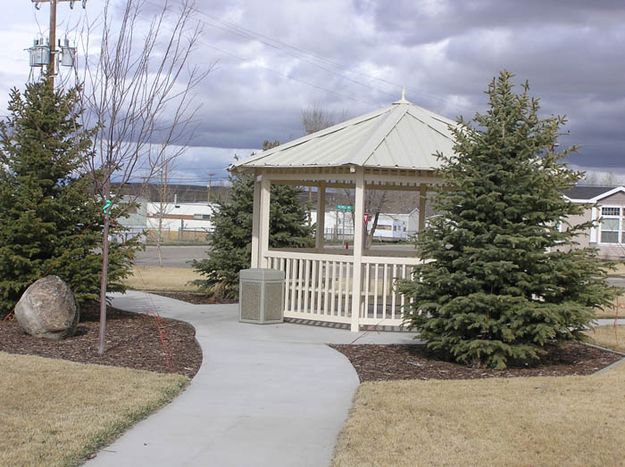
{"points": [[274, 59]]}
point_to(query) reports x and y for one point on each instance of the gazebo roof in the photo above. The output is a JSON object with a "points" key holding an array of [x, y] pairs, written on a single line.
{"points": [[401, 136]]}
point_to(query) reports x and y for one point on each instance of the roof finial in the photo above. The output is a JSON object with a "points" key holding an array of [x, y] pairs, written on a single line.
{"points": [[403, 97]]}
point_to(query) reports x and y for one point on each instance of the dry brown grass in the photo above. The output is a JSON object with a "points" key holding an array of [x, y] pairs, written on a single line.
{"points": [[574, 420], [612, 337], [617, 310], [619, 269], [55, 412], [166, 278]]}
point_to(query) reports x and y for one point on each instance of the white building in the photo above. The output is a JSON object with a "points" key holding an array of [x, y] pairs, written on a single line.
{"points": [[339, 225], [180, 216]]}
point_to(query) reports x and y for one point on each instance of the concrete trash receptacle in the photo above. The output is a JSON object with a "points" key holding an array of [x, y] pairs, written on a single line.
{"points": [[261, 294]]}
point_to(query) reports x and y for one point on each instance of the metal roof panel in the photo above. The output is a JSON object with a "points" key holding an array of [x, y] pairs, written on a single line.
{"points": [[400, 136]]}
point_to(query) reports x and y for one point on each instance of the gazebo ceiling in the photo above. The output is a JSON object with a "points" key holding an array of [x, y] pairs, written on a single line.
{"points": [[402, 136]]}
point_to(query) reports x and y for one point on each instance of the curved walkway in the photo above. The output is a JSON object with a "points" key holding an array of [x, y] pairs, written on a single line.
{"points": [[272, 395]]}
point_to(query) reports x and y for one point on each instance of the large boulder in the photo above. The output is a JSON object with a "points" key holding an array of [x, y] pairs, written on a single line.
{"points": [[48, 309]]}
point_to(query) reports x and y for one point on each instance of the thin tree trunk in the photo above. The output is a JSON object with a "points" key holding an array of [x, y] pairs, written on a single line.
{"points": [[158, 238], [374, 226], [104, 281], [133, 99], [161, 212]]}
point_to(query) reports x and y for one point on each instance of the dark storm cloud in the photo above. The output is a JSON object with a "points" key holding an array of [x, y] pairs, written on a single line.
{"points": [[362, 52], [274, 59], [428, 21]]}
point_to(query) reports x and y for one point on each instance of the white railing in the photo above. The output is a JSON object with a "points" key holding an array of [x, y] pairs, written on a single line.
{"points": [[319, 286], [382, 303]]}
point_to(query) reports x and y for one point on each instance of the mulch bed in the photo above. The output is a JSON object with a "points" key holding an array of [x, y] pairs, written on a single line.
{"points": [[193, 297], [168, 346], [132, 340], [393, 362]]}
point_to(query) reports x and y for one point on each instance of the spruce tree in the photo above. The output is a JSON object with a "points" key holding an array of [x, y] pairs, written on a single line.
{"points": [[231, 239], [50, 220], [504, 279]]}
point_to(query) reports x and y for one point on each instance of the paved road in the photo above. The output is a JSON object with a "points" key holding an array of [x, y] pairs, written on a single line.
{"points": [[610, 322], [272, 395], [180, 256], [618, 281], [173, 256]]}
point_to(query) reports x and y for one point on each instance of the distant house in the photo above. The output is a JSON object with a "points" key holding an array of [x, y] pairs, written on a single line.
{"points": [[608, 202]]}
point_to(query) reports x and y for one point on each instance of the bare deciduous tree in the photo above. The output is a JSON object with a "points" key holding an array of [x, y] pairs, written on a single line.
{"points": [[164, 208], [316, 118], [138, 95], [375, 202]]}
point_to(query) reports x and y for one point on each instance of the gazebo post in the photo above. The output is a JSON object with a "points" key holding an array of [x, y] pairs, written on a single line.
{"points": [[359, 214], [321, 216], [256, 224], [422, 206], [264, 227]]}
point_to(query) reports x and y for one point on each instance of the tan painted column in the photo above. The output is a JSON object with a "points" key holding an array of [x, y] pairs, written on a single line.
{"points": [[265, 211], [256, 225], [359, 213], [423, 189], [321, 216]]}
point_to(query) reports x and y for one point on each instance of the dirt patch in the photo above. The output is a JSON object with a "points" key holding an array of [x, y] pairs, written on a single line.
{"points": [[397, 362], [132, 340]]}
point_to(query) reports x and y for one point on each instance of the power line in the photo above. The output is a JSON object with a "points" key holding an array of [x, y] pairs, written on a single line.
{"points": [[304, 56], [310, 57], [294, 51], [284, 75], [273, 70]]}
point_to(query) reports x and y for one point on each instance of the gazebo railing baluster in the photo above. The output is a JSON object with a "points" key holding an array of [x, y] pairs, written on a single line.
{"points": [[319, 287]]}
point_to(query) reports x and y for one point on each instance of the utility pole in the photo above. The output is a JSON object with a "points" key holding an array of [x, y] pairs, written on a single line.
{"points": [[208, 195], [52, 42], [52, 45]]}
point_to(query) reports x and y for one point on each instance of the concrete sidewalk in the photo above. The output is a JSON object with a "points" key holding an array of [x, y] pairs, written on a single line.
{"points": [[272, 395]]}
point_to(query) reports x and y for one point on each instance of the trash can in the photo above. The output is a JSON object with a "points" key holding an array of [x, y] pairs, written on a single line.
{"points": [[261, 293]]}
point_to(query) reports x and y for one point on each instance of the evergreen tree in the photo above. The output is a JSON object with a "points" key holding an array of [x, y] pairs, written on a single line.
{"points": [[50, 220], [505, 280], [231, 239]]}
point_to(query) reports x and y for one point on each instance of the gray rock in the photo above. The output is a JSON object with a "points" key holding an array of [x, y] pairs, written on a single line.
{"points": [[48, 309]]}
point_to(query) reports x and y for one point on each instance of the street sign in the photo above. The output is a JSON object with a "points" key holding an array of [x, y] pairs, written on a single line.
{"points": [[344, 207]]}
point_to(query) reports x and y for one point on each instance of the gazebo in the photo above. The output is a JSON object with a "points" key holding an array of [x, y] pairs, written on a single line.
{"points": [[389, 149]]}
